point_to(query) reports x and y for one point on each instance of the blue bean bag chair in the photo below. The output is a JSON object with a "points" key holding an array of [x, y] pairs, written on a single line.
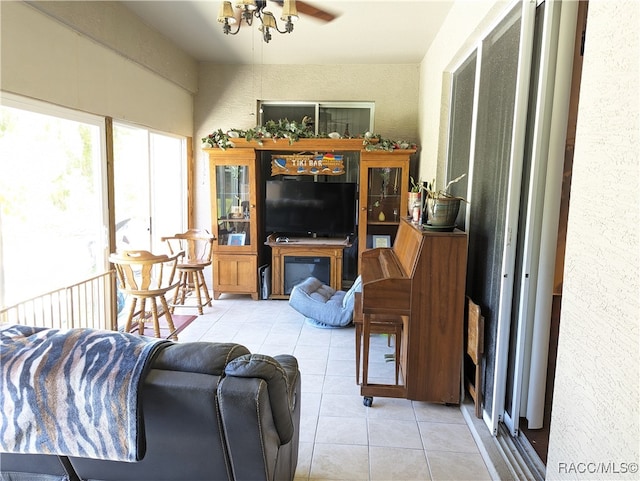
{"points": [[323, 306]]}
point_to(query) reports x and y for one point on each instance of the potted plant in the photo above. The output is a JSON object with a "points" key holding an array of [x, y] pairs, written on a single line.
{"points": [[442, 206]]}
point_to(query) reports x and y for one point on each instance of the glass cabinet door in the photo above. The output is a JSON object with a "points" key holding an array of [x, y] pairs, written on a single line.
{"points": [[384, 183], [235, 221], [233, 200], [383, 203]]}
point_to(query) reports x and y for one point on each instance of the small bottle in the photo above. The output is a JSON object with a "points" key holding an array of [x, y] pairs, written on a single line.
{"points": [[346, 134], [416, 214]]}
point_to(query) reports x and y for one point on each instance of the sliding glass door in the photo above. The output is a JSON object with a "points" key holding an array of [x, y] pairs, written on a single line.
{"points": [[149, 185], [505, 96], [487, 132], [54, 221]]}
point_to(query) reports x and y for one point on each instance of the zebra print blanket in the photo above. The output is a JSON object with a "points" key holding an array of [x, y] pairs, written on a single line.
{"points": [[72, 392]]}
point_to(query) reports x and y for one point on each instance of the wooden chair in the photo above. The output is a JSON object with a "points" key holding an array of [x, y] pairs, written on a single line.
{"points": [[197, 246], [145, 276], [389, 325], [474, 341]]}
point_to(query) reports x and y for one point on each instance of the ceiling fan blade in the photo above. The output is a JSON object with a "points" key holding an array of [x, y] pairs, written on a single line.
{"points": [[308, 9]]}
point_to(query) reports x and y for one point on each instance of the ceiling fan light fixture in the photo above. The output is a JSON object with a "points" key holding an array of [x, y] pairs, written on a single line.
{"points": [[246, 4], [255, 9], [289, 11], [268, 24], [268, 20], [225, 15]]}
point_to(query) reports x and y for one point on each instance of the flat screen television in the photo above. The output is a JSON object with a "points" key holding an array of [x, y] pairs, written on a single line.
{"points": [[325, 209]]}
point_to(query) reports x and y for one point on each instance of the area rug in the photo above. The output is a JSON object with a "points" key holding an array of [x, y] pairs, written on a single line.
{"points": [[179, 321]]}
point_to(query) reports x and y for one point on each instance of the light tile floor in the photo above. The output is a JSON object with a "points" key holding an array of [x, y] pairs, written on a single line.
{"points": [[340, 438]]}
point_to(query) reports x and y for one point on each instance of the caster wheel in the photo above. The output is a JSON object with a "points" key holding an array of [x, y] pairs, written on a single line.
{"points": [[367, 401]]}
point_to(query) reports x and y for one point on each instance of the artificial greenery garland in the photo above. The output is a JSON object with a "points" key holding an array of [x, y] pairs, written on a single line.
{"points": [[294, 131]]}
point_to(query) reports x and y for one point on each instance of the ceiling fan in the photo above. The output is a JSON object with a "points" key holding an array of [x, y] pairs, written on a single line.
{"points": [[247, 10]]}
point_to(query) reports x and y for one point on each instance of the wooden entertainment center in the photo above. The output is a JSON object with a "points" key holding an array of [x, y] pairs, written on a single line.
{"points": [[236, 197]]}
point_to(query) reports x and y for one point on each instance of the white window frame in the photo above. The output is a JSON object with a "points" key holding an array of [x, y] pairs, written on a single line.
{"points": [[36, 106], [317, 105]]}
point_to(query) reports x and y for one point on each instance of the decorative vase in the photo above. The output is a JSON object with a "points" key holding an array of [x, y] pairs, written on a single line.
{"points": [[381, 216], [442, 211]]}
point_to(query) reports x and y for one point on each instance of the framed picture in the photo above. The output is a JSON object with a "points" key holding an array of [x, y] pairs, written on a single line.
{"points": [[381, 241], [236, 239]]}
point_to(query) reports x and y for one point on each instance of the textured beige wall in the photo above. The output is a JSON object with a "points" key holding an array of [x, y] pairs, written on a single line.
{"points": [[596, 416], [227, 99], [228, 93], [44, 59]]}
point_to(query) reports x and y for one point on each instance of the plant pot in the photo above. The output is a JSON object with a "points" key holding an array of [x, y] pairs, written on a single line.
{"points": [[443, 211]]}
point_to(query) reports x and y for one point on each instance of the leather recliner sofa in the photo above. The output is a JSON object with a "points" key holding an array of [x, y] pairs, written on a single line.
{"points": [[211, 411]]}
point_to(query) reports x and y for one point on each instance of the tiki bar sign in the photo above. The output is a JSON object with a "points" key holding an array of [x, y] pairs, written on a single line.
{"points": [[307, 164]]}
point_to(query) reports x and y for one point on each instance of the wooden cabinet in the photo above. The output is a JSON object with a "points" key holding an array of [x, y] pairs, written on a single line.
{"points": [[235, 221], [384, 185], [237, 194]]}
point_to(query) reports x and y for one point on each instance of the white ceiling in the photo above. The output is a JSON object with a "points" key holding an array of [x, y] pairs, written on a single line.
{"points": [[364, 32]]}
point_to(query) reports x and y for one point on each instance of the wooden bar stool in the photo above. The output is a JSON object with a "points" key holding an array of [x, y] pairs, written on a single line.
{"points": [[376, 324], [197, 246], [145, 276]]}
